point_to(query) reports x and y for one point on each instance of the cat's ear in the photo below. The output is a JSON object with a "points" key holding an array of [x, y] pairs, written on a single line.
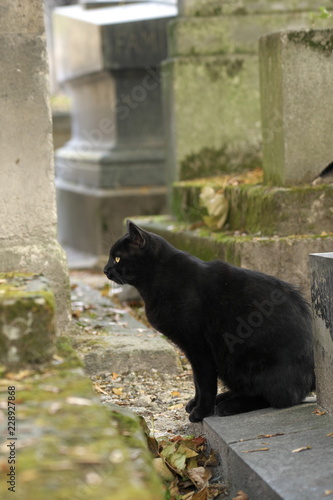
{"points": [[136, 234]]}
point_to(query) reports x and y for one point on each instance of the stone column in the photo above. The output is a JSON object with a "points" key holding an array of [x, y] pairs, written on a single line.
{"points": [[27, 194], [114, 164], [322, 302], [296, 70]]}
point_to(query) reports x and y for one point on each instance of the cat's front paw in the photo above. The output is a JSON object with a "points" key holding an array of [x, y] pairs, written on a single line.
{"points": [[197, 415], [190, 405]]}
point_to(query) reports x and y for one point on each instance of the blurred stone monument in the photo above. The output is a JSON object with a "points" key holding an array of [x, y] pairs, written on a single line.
{"points": [[107, 58], [28, 239], [212, 95]]}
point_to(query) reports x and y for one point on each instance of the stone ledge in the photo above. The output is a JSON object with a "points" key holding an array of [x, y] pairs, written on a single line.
{"points": [[296, 210], [277, 472], [69, 445]]}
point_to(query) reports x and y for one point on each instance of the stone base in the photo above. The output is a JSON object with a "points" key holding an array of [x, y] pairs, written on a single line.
{"points": [[27, 328], [261, 209], [284, 257], [90, 220], [43, 256]]}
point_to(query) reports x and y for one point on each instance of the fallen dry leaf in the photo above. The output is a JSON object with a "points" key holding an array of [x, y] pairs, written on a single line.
{"points": [[270, 435], [199, 477], [302, 448], [328, 492], [176, 407], [99, 389], [330, 434], [257, 449], [175, 393], [319, 412], [20, 375], [201, 495], [241, 495], [117, 391], [115, 375]]}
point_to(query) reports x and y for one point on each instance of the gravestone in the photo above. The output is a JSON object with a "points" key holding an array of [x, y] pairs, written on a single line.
{"points": [[322, 302], [211, 95], [114, 165], [28, 239], [296, 70]]}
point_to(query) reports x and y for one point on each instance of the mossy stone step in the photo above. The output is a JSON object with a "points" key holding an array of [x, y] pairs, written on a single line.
{"points": [[66, 445], [27, 319], [257, 208]]}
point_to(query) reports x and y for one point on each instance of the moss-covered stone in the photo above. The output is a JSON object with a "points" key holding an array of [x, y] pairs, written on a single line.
{"points": [[321, 41], [27, 319], [261, 209], [69, 446]]}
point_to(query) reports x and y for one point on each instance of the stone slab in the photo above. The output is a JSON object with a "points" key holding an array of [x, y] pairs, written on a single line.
{"points": [[322, 299], [276, 473], [124, 346], [126, 36], [27, 320], [296, 75]]}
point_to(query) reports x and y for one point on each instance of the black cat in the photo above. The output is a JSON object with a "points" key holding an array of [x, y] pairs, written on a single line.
{"points": [[249, 329]]}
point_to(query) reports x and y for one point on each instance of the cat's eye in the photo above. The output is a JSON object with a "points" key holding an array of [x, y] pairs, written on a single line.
{"points": [[117, 259]]}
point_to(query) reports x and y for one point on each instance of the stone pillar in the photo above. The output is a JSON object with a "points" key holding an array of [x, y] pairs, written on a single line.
{"points": [[27, 194], [212, 93], [114, 164], [322, 306], [296, 72]]}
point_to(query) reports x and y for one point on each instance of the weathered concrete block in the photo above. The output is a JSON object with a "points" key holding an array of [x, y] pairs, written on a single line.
{"points": [[27, 319], [296, 74], [322, 300], [212, 104]]}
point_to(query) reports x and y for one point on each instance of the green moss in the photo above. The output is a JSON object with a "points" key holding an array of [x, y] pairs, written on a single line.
{"points": [[215, 161], [321, 41], [73, 447]]}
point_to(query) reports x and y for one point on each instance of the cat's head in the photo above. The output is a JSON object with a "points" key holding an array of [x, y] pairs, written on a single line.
{"points": [[131, 256]]}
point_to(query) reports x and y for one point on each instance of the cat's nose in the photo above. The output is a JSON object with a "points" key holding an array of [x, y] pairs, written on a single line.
{"points": [[105, 270]]}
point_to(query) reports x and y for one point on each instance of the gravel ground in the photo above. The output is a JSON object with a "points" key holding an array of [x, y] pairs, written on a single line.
{"points": [[158, 397]]}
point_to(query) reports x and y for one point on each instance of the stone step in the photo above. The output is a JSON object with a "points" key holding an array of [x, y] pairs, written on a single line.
{"points": [[27, 319], [63, 444], [275, 454], [254, 208], [286, 257]]}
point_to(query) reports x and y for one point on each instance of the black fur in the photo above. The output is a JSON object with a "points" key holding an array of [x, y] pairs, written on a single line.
{"points": [[249, 329]]}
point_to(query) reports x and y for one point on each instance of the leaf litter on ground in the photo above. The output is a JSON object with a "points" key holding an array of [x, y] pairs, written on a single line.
{"points": [[184, 465]]}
